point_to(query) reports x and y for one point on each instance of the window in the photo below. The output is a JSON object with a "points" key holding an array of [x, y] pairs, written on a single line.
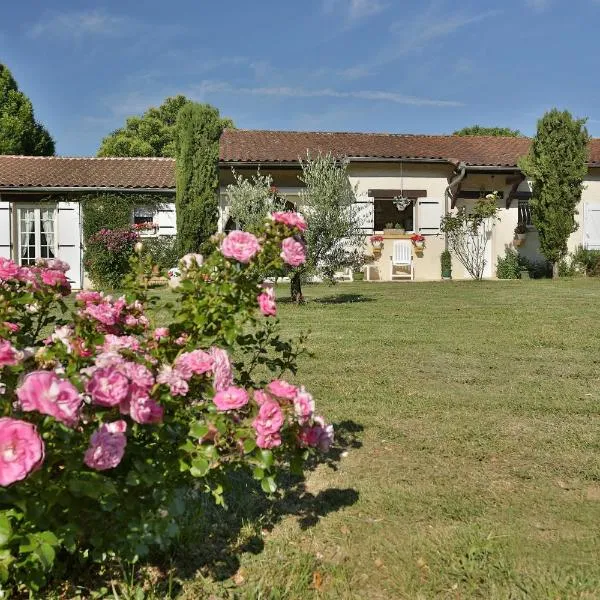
{"points": [[143, 220], [37, 234], [385, 211], [524, 213]]}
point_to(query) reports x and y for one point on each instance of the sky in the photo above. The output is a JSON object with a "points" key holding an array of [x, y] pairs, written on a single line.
{"points": [[400, 66]]}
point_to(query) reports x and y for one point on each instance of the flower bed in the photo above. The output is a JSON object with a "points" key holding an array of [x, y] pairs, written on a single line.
{"points": [[107, 419]]}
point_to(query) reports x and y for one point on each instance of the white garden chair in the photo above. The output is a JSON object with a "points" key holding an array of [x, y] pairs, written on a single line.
{"points": [[402, 263]]}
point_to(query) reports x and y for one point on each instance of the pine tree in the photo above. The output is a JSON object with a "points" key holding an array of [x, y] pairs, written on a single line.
{"points": [[20, 133], [198, 130], [557, 164]]}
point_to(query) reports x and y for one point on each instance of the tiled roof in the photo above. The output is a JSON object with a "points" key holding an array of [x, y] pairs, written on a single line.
{"points": [[239, 145], [60, 172]]}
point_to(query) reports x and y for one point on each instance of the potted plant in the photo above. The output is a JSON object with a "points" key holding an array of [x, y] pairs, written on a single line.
{"points": [[418, 241], [520, 234], [395, 228], [446, 263], [377, 243]]}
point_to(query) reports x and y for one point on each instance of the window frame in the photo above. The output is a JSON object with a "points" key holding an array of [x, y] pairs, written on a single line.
{"points": [[153, 212], [413, 203], [524, 210], [37, 208]]}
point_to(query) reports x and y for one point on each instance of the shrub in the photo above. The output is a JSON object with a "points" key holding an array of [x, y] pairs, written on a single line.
{"points": [[107, 422], [587, 261], [163, 251], [446, 263], [107, 256], [509, 266]]}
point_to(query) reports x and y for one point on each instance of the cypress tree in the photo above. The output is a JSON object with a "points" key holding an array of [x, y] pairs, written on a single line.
{"points": [[20, 133], [557, 164], [198, 130]]}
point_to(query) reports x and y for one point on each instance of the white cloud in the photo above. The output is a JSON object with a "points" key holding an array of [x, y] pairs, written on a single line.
{"points": [[538, 5], [355, 10], [79, 23], [223, 87]]}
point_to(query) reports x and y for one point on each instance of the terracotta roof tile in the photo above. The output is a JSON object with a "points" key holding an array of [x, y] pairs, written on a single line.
{"points": [[61, 172], [238, 145]]}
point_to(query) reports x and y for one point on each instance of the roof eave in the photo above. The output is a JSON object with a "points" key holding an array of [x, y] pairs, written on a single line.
{"points": [[34, 189]]}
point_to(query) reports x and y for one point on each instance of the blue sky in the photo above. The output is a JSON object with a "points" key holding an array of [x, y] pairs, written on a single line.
{"points": [[407, 66]]}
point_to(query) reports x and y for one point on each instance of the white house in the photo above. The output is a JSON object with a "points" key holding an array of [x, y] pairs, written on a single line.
{"points": [[40, 213]]}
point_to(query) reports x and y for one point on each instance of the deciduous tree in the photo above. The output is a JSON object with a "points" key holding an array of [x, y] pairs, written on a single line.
{"points": [[493, 131]]}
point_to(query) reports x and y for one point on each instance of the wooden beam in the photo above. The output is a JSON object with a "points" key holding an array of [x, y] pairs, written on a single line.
{"points": [[475, 195], [516, 182], [394, 193]]}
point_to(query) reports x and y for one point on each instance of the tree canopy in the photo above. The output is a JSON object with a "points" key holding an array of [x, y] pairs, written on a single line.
{"points": [[20, 133], [493, 131], [557, 166], [152, 134]]}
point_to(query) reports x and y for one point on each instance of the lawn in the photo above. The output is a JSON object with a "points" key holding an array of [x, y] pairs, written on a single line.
{"points": [[468, 459]]}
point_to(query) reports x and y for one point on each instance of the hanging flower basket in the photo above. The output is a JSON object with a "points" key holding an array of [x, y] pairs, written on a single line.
{"points": [[418, 241], [377, 243]]}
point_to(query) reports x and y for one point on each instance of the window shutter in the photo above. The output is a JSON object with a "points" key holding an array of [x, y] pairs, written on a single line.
{"points": [[165, 219], [429, 215], [5, 230], [366, 216], [68, 235]]}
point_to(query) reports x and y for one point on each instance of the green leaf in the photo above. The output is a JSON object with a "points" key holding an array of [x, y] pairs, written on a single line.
{"points": [[5, 530], [258, 473], [199, 467], [49, 538], [198, 430], [249, 445], [266, 458], [45, 554], [268, 485]]}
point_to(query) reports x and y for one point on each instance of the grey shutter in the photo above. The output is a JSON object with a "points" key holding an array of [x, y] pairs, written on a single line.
{"points": [[6, 230], [68, 236]]}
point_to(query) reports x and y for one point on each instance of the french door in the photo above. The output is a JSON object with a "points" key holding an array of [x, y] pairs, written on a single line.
{"points": [[36, 233]]}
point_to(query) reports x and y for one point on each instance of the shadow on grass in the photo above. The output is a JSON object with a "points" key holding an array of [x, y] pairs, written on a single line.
{"points": [[213, 538], [343, 299]]}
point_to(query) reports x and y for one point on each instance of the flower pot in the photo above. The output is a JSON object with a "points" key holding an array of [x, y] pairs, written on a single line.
{"points": [[518, 242], [376, 252], [447, 273]]}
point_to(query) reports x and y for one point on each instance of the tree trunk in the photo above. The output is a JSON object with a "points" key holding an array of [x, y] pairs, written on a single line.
{"points": [[555, 270], [296, 289]]}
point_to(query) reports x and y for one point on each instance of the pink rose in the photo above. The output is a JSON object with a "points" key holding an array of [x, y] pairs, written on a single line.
{"points": [[266, 302], [293, 252], [107, 446], [291, 219], [12, 327], [223, 376], [282, 389], [138, 374], [105, 313], [21, 450], [160, 333], [145, 410], [8, 269], [304, 406], [57, 264], [230, 398], [107, 387], [57, 279], [46, 393], [174, 379], [318, 436], [88, 297], [9, 355], [267, 441], [196, 362], [269, 420], [114, 343], [192, 260], [261, 397], [240, 245]]}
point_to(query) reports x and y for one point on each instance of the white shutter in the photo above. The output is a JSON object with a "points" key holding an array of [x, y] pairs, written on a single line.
{"points": [[165, 218], [5, 230], [591, 226], [429, 215], [68, 235]]}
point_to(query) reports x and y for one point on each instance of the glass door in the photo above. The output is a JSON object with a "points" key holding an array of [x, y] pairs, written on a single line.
{"points": [[37, 234]]}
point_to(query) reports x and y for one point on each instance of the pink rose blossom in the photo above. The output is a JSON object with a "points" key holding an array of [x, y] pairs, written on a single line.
{"points": [[138, 374], [9, 355], [160, 333], [291, 219], [182, 340], [12, 327], [282, 389], [240, 245], [266, 302], [223, 376], [107, 387], [293, 252], [196, 362], [57, 279], [107, 446], [87, 297], [269, 420], [230, 398], [46, 393], [105, 312], [8, 269], [145, 410], [318, 436], [304, 406], [56, 264], [63, 336], [269, 440], [174, 379], [114, 343], [21, 450], [261, 397]]}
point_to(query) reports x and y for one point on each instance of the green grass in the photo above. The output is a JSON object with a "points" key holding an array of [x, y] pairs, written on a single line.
{"points": [[468, 464]]}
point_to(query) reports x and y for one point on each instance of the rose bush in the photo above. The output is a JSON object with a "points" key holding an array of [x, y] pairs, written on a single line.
{"points": [[108, 421]]}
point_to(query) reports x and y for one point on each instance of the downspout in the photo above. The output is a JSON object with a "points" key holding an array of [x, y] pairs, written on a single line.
{"points": [[460, 173]]}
